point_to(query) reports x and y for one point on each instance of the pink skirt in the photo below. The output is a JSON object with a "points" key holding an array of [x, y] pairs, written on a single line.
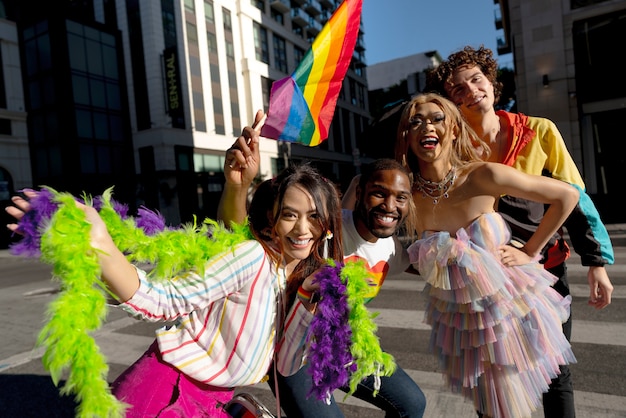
{"points": [[153, 388]]}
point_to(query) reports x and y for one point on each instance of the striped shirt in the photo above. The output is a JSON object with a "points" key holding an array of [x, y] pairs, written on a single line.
{"points": [[225, 320]]}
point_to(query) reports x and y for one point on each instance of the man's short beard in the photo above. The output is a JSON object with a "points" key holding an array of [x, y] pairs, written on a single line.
{"points": [[365, 217]]}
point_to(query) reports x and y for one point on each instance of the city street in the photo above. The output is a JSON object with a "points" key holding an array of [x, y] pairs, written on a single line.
{"points": [[599, 343]]}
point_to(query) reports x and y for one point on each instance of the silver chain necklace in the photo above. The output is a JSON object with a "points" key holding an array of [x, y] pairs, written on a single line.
{"points": [[435, 190]]}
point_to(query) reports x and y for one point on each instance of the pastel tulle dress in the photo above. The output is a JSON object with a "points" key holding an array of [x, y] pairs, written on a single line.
{"points": [[496, 330]]}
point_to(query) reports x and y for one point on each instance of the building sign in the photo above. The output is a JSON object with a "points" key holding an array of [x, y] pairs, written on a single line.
{"points": [[173, 87]]}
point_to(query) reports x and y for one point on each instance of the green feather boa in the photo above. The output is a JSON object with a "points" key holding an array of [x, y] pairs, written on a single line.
{"points": [[82, 305]]}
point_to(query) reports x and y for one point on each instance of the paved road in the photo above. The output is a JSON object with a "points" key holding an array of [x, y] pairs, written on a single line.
{"points": [[599, 342]]}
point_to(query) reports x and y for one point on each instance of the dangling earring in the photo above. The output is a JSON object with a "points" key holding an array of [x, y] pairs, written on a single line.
{"points": [[328, 237]]}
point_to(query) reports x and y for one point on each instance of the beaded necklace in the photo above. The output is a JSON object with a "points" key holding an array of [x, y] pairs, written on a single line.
{"points": [[436, 190]]}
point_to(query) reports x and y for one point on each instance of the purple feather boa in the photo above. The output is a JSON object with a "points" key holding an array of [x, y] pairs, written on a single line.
{"points": [[43, 207], [330, 336]]}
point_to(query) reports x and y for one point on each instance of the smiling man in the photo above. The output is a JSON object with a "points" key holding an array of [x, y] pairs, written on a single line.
{"points": [[383, 201], [369, 232]]}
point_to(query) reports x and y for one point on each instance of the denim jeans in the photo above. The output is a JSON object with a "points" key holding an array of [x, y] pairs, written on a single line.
{"points": [[399, 396]]}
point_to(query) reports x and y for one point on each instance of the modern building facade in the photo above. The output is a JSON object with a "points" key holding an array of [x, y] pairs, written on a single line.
{"points": [[15, 169], [147, 95], [567, 58]]}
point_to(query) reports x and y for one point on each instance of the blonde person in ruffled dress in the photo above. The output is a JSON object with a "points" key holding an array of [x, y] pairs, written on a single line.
{"points": [[496, 322]]}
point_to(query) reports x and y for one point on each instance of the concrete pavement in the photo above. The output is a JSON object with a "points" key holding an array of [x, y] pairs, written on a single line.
{"points": [[599, 341]]}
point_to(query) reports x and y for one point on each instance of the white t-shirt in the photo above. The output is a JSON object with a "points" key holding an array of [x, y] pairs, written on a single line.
{"points": [[383, 258]]}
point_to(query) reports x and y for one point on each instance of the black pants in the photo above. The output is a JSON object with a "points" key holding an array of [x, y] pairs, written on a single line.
{"points": [[558, 402]]}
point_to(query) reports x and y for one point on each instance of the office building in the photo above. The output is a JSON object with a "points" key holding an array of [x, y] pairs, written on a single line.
{"points": [[147, 95], [567, 59]]}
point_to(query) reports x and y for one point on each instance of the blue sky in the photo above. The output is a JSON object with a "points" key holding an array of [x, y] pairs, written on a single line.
{"points": [[398, 28]]}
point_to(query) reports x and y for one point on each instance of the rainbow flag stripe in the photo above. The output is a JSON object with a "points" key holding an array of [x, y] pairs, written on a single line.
{"points": [[302, 105]]}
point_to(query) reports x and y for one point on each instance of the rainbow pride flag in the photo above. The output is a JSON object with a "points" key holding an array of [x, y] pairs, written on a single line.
{"points": [[302, 105]]}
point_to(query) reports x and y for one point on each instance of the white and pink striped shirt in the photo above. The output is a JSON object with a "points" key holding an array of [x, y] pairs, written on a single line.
{"points": [[224, 320]]}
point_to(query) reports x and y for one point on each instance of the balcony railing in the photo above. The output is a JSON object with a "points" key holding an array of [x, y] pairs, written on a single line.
{"points": [[329, 4], [282, 6], [313, 7], [314, 27], [299, 17]]}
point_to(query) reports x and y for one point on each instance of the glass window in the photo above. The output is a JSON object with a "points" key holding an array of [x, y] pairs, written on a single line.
{"points": [[5, 126], [42, 168], [52, 125], [215, 73], [34, 94], [361, 95], [213, 163], [98, 93], [198, 100], [117, 127], [43, 51], [261, 44], [228, 25], [298, 54], [183, 161], [259, 4], [194, 65], [198, 163], [211, 42], [200, 125], [352, 85], [280, 53], [107, 39], [114, 101], [208, 11], [169, 27], [84, 127], [110, 62], [94, 57], [278, 16], [266, 88], [30, 52], [192, 33], [87, 159], [80, 86], [55, 160], [297, 30], [104, 160], [230, 50], [101, 125], [78, 59], [91, 33], [37, 128], [48, 90], [217, 106]]}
